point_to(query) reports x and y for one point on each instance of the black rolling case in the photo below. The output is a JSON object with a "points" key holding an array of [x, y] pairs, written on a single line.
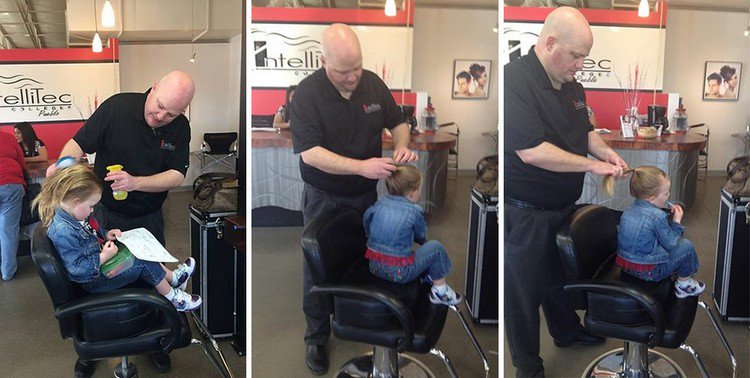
{"points": [[482, 259], [213, 278], [731, 279]]}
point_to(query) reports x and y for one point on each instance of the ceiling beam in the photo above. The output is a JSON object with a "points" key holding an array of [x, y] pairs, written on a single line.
{"points": [[7, 38], [21, 5]]}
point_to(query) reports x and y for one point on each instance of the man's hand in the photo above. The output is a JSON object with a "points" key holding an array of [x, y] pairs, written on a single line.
{"points": [[615, 159], [404, 155], [50, 170], [122, 181], [114, 234], [601, 168], [377, 168]]}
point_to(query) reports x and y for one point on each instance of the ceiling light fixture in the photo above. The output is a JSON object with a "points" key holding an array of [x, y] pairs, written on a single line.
{"points": [[96, 45], [108, 15], [643, 8], [390, 8], [747, 31]]}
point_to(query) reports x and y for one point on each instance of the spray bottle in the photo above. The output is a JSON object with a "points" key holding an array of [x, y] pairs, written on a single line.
{"points": [[119, 194]]}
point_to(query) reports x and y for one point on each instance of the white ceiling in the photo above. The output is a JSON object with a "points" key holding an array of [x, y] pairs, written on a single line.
{"points": [[718, 5]]}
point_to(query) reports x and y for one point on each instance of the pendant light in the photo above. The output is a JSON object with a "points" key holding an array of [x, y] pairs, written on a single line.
{"points": [[108, 15], [390, 8], [643, 8], [96, 45], [747, 31]]}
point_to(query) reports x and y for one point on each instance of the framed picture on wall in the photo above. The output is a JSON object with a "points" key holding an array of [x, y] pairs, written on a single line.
{"points": [[471, 78], [721, 81]]}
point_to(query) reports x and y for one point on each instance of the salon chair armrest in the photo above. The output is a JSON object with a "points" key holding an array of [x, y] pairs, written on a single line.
{"points": [[652, 307], [397, 307], [117, 297]]}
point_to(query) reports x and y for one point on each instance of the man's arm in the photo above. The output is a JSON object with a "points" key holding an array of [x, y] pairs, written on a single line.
{"points": [[330, 162], [600, 149], [401, 139], [160, 182], [552, 158], [71, 149]]}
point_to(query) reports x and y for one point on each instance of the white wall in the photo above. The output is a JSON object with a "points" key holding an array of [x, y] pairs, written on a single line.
{"points": [[694, 37], [440, 36], [216, 72]]}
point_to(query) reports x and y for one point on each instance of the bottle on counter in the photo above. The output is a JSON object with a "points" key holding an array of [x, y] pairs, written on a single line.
{"points": [[430, 117]]}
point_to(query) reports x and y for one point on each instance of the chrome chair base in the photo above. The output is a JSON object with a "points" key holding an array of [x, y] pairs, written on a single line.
{"points": [[612, 364], [380, 364], [125, 369]]}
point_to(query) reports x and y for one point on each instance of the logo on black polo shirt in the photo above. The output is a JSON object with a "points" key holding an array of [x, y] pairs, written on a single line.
{"points": [[579, 104], [167, 146], [372, 108]]}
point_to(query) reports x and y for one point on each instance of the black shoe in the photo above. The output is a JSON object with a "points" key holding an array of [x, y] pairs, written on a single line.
{"points": [[160, 361], [582, 339], [316, 359], [85, 369]]}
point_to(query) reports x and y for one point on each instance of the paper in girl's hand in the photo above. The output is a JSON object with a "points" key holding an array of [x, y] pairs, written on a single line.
{"points": [[143, 245]]}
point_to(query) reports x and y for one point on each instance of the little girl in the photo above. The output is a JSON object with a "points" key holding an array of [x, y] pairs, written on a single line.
{"points": [[396, 221], [651, 246], [65, 205]]}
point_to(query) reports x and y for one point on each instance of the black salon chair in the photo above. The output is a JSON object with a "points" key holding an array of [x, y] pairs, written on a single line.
{"points": [[218, 149], [393, 317], [115, 324], [641, 313]]}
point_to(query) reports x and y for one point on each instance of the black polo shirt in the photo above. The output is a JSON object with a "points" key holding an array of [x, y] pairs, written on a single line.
{"points": [[351, 128], [535, 112], [119, 134]]}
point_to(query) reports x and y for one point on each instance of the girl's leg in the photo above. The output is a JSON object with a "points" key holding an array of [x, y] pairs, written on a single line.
{"points": [[684, 259], [433, 258], [169, 275]]}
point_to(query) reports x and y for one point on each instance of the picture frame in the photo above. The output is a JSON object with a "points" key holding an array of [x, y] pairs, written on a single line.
{"points": [[721, 81], [471, 79]]}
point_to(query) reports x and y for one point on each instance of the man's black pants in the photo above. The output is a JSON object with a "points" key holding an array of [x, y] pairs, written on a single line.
{"points": [[317, 308], [154, 222], [534, 277]]}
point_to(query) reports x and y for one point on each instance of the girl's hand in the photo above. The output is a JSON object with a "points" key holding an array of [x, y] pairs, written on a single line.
{"points": [[114, 234], [677, 213], [108, 251]]}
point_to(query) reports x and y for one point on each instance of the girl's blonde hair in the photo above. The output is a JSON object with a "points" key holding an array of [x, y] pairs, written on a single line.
{"points": [[404, 180], [77, 182], [647, 181]]}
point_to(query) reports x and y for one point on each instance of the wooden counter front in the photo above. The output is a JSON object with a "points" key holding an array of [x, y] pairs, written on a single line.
{"points": [[671, 142], [421, 142]]}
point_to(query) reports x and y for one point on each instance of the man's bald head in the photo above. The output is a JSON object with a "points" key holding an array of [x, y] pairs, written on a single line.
{"points": [[342, 57], [168, 98], [565, 40]]}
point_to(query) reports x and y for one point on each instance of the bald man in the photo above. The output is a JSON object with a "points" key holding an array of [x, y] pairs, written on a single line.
{"points": [[147, 134], [547, 138], [338, 116]]}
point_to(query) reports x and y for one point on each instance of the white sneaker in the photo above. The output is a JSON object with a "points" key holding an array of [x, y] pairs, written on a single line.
{"points": [[183, 273], [689, 287], [448, 298], [183, 301]]}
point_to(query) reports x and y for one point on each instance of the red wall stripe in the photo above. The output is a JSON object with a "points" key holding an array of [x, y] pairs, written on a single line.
{"points": [[54, 135], [331, 15], [30, 56], [609, 105], [594, 16]]}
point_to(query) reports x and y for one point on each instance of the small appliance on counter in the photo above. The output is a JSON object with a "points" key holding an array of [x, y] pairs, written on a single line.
{"points": [[411, 120], [657, 117]]}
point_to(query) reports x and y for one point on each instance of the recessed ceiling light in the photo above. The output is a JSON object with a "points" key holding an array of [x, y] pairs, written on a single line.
{"points": [[5, 14]]}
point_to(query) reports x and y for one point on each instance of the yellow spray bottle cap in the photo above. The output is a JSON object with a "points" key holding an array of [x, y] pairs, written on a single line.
{"points": [[114, 168]]}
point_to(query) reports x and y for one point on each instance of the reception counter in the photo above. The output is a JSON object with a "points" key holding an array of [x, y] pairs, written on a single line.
{"points": [[675, 154], [276, 179]]}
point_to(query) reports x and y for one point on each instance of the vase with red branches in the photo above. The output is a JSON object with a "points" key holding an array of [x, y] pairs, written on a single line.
{"points": [[632, 93]]}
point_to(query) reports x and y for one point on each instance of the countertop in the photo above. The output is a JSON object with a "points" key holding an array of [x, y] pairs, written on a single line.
{"points": [[671, 142], [422, 142]]}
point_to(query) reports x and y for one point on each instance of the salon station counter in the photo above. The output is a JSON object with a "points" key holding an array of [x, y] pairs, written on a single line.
{"points": [[675, 154], [276, 179]]}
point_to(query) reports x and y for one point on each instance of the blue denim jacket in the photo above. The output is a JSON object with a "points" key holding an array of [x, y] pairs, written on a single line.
{"points": [[392, 224], [78, 249], [646, 235]]}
